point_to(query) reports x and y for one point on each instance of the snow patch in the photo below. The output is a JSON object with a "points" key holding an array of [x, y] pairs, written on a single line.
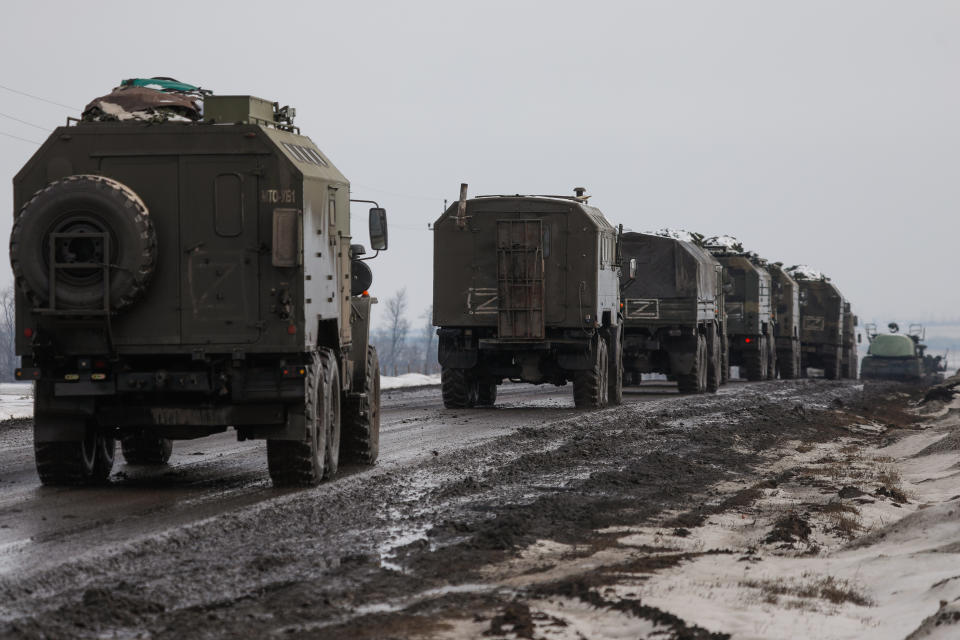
{"points": [[409, 380], [16, 400], [804, 272]]}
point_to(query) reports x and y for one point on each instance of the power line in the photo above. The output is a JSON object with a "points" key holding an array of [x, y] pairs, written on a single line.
{"points": [[29, 124], [30, 95], [394, 193], [10, 135]]}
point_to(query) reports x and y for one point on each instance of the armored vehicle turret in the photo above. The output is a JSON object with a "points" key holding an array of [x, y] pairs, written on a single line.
{"points": [[897, 356], [786, 309], [526, 288], [749, 307], [177, 276], [673, 312]]}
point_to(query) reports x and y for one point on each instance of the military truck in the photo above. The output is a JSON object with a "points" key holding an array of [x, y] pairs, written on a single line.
{"points": [[786, 308], [749, 308], [848, 358], [821, 327], [526, 288], [673, 318], [175, 279], [897, 356]]}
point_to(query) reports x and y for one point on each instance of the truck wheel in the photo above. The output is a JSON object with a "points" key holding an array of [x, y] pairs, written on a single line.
{"points": [[145, 448], [831, 366], [299, 463], [459, 389], [787, 364], [330, 412], [755, 362], [615, 370], [361, 428], [714, 362], [84, 204], [696, 380], [590, 390], [724, 358], [88, 461], [852, 364], [771, 358], [486, 394]]}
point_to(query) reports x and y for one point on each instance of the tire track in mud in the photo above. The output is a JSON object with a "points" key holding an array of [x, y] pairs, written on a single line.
{"points": [[386, 553]]}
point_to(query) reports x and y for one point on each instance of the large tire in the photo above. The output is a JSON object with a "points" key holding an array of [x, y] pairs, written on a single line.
{"points": [[360, 442], [714, 362], [88, 461], [486, 394], [590, 387], [84, 204], [615, 368], [755, 361], [724, 357], [459, 389], [831, 365], [330, 412], [300, 463], [771, 358], [851, 368], [696, 380], [146, 449]]}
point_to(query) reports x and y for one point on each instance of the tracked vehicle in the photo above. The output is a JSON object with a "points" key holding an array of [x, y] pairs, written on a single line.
{"points": [[898, 356], [786, 308], [673, 312], [175, 279], [526, 288], [749, 309]]}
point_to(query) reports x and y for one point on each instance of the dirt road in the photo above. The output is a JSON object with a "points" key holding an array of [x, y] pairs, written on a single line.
{"points": [[433, 537]]}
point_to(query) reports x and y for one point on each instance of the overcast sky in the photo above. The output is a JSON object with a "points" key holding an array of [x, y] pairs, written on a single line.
{"points": [[825, 133]]}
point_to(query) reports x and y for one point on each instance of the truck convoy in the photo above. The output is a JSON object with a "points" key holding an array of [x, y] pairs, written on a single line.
{"points": [[749, 308], [181, 274], [673, 312], [526, 288], [184, 264]]}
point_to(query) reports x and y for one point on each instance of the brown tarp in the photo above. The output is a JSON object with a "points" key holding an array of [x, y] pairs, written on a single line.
{"points": [[140, 103]]}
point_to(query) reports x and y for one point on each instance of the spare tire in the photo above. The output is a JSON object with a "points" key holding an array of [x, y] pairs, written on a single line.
{"points": [[80, 205]]}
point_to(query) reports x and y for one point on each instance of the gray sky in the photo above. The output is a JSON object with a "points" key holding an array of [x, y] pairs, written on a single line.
{"points": [[825, 133]]}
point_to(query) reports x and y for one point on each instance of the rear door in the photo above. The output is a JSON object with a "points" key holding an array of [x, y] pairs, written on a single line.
{"points": [[220, 279]]}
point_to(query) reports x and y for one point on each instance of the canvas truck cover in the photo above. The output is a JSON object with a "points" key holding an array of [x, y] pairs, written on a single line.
{"points": [[674, 278], [748, 304], [821, 309], [576, 248]]}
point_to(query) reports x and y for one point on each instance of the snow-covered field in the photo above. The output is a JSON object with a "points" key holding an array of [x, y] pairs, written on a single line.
{"points": [[409, 380], [16, 398]]}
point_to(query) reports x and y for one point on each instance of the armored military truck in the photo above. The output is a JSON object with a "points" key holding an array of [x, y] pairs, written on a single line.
{"points": [[848, 358], [672, 312], [750, 318], [526, 288], [786, 307], [177, 277], [897, 356], [821, 326]]}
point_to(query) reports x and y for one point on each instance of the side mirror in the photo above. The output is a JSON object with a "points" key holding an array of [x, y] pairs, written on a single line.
{"points": [[632, 268], [378, 229], [859, 338]]}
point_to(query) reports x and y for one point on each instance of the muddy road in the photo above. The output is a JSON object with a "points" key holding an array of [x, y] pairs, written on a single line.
{"points": [[206, 548]]}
